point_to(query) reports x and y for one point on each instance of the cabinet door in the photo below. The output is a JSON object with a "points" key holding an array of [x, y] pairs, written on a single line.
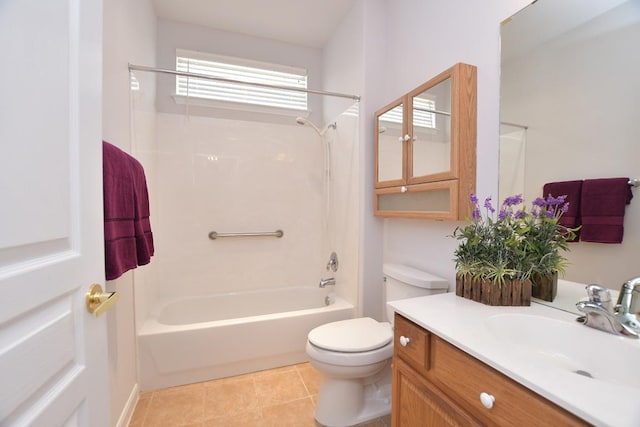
{"points": [[416, 403], [441, 122], [391, 152], [430, 151]]}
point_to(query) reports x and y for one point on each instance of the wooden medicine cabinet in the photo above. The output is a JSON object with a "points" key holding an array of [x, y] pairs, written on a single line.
{"points": [[425, 145]]}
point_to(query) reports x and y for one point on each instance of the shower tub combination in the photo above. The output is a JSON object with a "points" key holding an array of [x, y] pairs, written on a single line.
{"points": [[199, 339]]}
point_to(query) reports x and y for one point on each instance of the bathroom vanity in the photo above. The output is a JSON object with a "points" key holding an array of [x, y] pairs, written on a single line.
{"points": [[459, 362], [435, 383]]}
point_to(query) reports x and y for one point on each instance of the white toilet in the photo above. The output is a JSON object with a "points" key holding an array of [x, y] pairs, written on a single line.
{"points": [[354, 355]]}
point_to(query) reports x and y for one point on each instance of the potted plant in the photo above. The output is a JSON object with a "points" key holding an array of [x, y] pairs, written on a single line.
{"points": [[502, 252]]}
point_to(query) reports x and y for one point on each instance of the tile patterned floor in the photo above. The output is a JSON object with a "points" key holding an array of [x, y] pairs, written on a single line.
{"points": [[282, 397]]}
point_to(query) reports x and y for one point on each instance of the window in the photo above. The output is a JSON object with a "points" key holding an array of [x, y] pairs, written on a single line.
{"points": [[240, 70]]}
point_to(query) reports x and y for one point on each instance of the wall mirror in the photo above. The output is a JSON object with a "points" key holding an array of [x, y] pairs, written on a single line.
{"points": [[569, 104]]}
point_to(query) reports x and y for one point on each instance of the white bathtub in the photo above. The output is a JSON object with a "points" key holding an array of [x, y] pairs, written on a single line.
{"points": [[199, 339]]}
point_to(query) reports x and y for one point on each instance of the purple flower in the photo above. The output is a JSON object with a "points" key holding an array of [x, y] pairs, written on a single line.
{"points": [[475, 214], [565, 208], [474, 198], [539, 201], [519, 214], [555, 201], [549, 214], [535, 211], [513, 200], [503, 214], [487, 204]]}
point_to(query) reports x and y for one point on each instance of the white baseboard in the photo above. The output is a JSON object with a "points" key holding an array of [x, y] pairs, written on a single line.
{"points": [[127, 411]]}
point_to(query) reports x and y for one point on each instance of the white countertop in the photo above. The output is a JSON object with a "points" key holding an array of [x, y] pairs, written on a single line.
{"points": [[463, 323]]}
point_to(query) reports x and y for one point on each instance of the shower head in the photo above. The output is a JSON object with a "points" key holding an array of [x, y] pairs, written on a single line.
{"points": [[303, 121]]}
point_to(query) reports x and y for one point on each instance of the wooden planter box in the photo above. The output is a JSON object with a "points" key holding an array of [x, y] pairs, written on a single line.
{"points": [[512, 292], [544, 287]]}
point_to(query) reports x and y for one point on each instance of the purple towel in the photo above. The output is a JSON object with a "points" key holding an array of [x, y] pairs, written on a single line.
{"points": [[128, 239], [571, 189], [603, 205]]}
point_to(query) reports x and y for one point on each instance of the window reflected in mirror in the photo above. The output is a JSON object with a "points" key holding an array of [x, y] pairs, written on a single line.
{"points": [[431, 144]]}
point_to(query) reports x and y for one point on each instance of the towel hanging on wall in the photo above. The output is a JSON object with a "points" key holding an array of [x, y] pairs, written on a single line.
{"points": [[571, 189], [128, 240], [602, 207]]}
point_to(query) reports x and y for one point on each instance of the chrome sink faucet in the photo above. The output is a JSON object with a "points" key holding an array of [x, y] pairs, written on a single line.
{"points": [[327, 282], [622, 319]]}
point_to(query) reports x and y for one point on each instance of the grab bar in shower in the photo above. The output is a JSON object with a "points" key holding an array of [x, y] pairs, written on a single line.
{"points": [[278, 233]]}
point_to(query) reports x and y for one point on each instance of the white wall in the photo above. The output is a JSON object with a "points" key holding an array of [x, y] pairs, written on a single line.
{"points": [[422, 39], [579, 95], [403, 43], [129, 36]]}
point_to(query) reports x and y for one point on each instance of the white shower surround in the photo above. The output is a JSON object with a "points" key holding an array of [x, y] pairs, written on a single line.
{"points": [[234, 176]]}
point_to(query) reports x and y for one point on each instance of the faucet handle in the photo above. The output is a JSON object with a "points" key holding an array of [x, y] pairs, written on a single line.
{"points": [[628, 300], [599, 295]]}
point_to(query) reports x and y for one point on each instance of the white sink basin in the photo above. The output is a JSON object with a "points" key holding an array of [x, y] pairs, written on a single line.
{"points": [[569, 346]]}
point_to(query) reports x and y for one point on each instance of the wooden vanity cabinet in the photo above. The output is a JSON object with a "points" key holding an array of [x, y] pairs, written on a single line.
{"points": [[425, 146], [437, 384]]}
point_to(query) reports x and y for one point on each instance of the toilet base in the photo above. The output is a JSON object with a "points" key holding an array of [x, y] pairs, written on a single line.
{"points": [[344, 403]]}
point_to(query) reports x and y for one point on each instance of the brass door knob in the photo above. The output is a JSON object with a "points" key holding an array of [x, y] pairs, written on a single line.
{"points": [[99, 301]]}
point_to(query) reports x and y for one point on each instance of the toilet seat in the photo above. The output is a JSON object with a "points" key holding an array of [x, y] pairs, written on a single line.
{"points": [[352, 336]]}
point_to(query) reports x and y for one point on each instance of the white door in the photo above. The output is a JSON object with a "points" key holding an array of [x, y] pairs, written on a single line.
{"points": [[53, 353]]}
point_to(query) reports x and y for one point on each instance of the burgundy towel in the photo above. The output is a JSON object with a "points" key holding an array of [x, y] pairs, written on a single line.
{"points": [[127, 231], [573, 190], [603, 204]]}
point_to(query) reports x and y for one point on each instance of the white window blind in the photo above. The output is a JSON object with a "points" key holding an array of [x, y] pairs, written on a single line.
{"points": [[240, 70], [422, 115]]}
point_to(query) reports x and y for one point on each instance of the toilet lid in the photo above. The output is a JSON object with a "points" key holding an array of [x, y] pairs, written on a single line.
{"points": [[351, 336]]}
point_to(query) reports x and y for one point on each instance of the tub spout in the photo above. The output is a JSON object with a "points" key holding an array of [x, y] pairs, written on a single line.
{"points": [[327, 282]]}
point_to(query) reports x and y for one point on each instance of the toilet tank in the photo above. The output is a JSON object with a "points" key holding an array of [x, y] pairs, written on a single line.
{"points": [[402, 282]]}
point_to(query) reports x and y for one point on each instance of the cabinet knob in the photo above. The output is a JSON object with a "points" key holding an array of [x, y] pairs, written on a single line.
{"points": [[407, 138], [403, 189], [404, 341], [487, 400], [400, 139]]}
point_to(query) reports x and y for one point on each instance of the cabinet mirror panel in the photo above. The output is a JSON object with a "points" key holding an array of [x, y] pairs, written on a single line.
{"points": [[431, 130], [438, 201], [390, 145]]}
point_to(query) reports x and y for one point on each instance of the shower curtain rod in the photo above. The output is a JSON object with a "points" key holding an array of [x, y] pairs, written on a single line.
{"points": [[220, 79]]}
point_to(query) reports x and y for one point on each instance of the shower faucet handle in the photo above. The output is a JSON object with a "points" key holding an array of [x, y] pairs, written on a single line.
{"points": [[333, 262]]}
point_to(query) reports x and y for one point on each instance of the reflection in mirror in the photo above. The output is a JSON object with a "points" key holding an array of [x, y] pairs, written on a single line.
{"points": [[432, 130], [513, 144], [569, 73], [390, 146]]}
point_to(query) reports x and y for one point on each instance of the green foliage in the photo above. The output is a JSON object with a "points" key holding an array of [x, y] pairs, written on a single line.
{"points": [[513, 243]]}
